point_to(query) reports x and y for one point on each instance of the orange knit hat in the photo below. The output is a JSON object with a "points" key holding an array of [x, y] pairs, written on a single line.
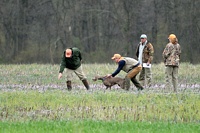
{"points": [[172, 36]]}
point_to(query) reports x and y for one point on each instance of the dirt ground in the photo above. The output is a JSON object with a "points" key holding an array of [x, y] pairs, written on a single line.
{"points": [[158, 88]]}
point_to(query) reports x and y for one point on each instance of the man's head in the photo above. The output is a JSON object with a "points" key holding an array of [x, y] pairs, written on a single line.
{"points": [[116, 57], [143, 38], [68, 53]]}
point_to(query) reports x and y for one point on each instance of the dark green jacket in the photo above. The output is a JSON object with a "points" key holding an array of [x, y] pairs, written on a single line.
{"points": [[73, 62]]}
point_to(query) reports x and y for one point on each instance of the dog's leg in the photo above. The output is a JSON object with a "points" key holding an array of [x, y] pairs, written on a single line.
{"points": [[121, 84]]}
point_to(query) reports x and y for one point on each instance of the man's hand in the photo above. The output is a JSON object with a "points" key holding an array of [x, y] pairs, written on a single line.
{"points": [[108, 75], [59, 75]]}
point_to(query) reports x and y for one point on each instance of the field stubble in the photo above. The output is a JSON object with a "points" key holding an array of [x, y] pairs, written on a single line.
{"points": [[33, 92]]}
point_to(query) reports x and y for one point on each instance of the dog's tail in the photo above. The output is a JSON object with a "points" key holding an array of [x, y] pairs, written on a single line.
{"points": [[99, 78]]}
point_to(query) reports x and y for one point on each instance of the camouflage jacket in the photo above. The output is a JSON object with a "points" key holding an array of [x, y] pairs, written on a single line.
{"points": [[171, 54], [148, 52]]}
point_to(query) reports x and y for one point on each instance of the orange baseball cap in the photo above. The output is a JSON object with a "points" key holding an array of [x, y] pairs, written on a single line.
{"points": [[116, 56]]}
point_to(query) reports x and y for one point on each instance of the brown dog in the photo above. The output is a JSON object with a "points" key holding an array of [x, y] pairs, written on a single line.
{"points": [[109, 82]]}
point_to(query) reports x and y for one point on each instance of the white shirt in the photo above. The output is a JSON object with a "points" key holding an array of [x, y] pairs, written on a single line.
{"points": [[141, 47]]}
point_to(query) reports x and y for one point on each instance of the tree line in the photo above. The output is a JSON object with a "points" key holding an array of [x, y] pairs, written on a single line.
{"points": [[38, 31]]}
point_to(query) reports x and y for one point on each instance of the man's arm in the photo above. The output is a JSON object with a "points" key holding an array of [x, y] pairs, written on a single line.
{"points": [[62, 66], [121, 64], [151, 52]]}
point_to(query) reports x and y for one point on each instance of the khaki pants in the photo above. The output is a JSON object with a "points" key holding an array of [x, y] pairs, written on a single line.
{"points": [[145, 76], [132, 76], [171, 76], [78, 72]]}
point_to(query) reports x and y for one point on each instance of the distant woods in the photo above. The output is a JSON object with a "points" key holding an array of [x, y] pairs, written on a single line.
{"points": [[38, 31]]}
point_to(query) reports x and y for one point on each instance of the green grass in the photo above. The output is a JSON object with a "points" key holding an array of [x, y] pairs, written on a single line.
{"points": [[118, 106], [92, 126], [32, 99]]}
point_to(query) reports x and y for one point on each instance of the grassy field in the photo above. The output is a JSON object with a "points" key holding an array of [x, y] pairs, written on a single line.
{"points": [[88, 126], [32, 99]]}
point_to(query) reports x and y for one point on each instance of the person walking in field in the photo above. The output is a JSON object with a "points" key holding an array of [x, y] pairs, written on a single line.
{"points": [[129, 65], [71, 60], [171, 56], [144, 53]]}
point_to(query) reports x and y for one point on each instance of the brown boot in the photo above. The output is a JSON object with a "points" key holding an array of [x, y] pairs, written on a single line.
{"points": [[85, 82], [69, 85]]}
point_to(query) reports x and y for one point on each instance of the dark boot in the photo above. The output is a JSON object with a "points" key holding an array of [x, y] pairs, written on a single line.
{"points": [[85, 82], [136, 83], [69, 85]]}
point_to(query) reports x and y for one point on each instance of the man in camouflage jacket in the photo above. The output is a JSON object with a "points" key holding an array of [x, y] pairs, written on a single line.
{"points": [[144, 53]]}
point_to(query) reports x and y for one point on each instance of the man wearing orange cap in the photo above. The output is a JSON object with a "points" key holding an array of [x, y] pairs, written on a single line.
{"points": [[71, 60], [129, 65], [171, 56]]}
